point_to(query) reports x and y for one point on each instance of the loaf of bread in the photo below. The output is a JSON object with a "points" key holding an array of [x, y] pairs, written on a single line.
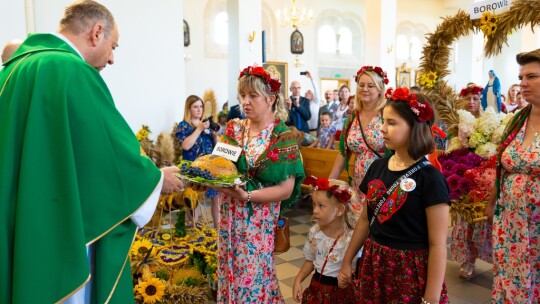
{"points": [[218, 166]]}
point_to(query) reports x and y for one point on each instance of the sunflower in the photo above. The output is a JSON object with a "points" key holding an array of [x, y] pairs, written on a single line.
{"points": [[151, 290], [428, 80], [493, 28], [486, 16], [141, 248], [143, 133]]}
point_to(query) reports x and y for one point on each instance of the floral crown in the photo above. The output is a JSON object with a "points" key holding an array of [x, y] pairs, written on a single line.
{"points": [[272, 83], [471, 88], [322, 184], [368, 68], [423, 110]]}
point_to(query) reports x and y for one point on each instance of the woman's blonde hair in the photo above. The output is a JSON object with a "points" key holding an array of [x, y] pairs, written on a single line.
{"points": [[260, 87], [379, 82], [187, 107], [510, 100]]}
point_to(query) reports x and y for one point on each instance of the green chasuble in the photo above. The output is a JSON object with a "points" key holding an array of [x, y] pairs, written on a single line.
{"points": [[71, 176]]}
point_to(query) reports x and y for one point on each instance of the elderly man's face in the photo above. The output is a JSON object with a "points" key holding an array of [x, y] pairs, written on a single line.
{"points": [[295, 88], [329, 95]]}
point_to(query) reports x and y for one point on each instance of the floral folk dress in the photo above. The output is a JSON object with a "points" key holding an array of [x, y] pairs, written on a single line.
{"points": [[364, 156], [516, 225], [246, 269]]}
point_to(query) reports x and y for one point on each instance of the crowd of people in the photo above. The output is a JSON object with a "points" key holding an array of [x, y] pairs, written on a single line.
{"points": [[379, 237]]}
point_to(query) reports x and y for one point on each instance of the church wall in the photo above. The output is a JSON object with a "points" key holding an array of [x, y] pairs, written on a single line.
{"points": [[147, 78], [154, 73]]}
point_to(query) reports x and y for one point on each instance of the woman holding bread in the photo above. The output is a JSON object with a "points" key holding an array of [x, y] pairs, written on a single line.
{"points": [[272, 166]]}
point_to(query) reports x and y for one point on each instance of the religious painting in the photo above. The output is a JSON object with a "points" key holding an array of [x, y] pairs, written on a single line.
{"points": [[297, 42], [186, 34], [403, 77], [278, 70]]}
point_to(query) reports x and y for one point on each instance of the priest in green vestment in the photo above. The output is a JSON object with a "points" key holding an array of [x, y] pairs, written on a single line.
{"points": [[74, 186]]}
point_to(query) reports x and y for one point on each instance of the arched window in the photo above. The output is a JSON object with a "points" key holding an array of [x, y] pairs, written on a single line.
{"points": [[416, 47], [327, 39], [402, 48], [345, 41], [409, 37], [216, 29], [221, 28], [340, 43]]}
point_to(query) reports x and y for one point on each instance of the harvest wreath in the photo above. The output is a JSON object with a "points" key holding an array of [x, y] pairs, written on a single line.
{"points": [[436, 52]]}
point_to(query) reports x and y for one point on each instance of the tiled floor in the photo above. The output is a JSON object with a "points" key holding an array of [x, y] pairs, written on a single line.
{"points": [[477, 290]]}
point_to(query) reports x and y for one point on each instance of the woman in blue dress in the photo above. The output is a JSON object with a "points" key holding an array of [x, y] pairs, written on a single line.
{"points": [[196, 139]]}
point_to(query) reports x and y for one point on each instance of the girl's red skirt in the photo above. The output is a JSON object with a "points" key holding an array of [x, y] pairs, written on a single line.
{"points": [[390, 275], [329, 293]]}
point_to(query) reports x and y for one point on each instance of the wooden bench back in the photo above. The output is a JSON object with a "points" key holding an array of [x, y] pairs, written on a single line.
{"points": [[319, 162]]}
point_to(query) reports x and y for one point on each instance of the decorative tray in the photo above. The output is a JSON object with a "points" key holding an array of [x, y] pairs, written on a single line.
{"points": [[214, 183]]}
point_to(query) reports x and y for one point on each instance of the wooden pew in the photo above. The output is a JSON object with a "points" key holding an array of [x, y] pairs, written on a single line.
{"points": [[319, 162]]}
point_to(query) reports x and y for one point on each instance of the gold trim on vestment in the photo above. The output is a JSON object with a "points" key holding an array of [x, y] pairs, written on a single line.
{"points": [[76, 290], [121, 270], [11, 73]]}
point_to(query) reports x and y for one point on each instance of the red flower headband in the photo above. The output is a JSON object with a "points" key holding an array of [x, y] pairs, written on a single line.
{"points": [[423, 110], [368, 68], [273, 83], [472, 88], [322, 184]]}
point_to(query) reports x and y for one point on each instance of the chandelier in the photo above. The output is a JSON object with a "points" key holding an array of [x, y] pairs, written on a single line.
{"points": [[294, 16]]}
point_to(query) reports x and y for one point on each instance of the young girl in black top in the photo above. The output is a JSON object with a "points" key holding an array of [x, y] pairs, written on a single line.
{"points": [[404, 255]]}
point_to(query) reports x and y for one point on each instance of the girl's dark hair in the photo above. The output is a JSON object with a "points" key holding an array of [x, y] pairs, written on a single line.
{"points": [[421, 141]]}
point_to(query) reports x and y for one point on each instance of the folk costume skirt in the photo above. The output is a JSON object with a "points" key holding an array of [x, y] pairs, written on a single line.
{"points": [[389, 275], [324, 290]]}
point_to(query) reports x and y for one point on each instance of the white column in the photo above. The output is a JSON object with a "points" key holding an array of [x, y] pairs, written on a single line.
{"points": [[242, 52], [12, 21], [380, 36]]}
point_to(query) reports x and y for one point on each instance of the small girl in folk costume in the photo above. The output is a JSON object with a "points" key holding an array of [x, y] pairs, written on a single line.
{"points": [[404, 227], [327, 242]]}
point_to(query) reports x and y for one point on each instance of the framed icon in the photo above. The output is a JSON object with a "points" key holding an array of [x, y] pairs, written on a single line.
{"points": [[278, 70], [403, 77], [297, 42], [186, 34]]}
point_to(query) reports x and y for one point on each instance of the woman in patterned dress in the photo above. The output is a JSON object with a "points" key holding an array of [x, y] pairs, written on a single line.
{"points": [[365, 119], [516, 203], [272, 164]]}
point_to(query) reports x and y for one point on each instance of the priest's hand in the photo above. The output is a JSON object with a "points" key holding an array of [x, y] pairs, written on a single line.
{"points": [[171, 183]]}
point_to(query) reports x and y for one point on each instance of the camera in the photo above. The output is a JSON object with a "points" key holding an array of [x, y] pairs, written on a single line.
{"points": [[303, 73], [213, 125]]}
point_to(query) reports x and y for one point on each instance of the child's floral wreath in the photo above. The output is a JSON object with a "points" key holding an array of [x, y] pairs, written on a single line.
{"points": [[272, 83], [368, 68], [423, 110], [322, 184]]}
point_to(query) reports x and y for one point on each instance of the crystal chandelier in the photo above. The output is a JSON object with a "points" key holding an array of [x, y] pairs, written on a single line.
{"points": [[294, 16]]}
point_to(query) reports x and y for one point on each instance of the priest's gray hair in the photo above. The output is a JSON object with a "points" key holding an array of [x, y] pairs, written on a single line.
{"points": [[82, 15]]}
